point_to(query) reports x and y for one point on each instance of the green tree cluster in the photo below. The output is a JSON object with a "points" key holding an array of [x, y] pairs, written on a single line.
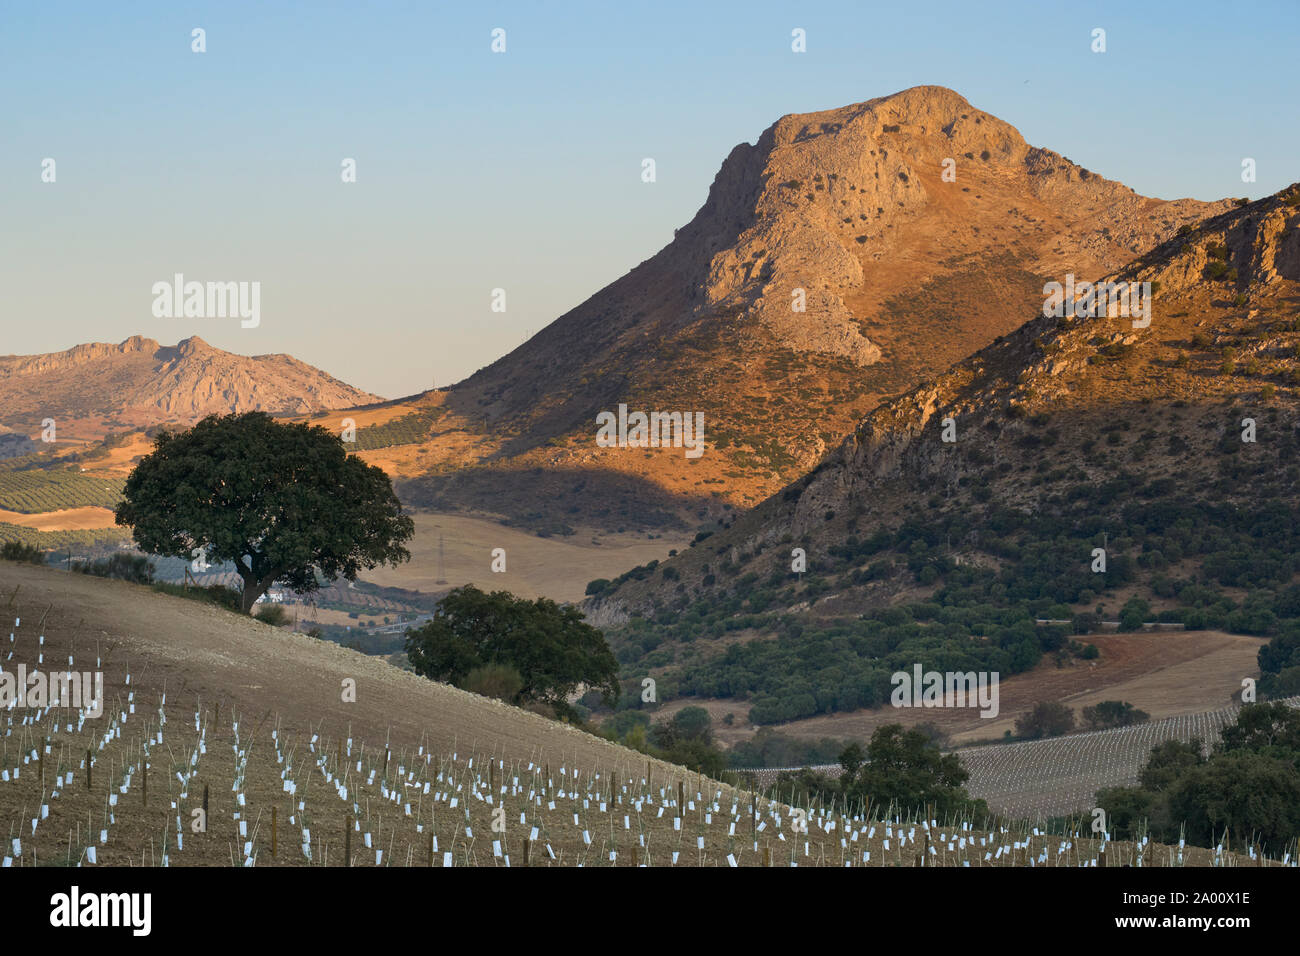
{"points": [[554, 651], [1249, 786]]}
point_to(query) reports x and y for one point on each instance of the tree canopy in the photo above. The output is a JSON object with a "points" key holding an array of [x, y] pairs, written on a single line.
{"points": [[1113, 713], [552, 648], [905, 768], [282, 502], [1047, 718], [900, 767]]}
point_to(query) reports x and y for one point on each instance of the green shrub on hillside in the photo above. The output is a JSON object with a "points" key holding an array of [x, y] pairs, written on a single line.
{"points": [[1113, 713], [1047, 718], [17, 551], [274, 614], [123, 566]]}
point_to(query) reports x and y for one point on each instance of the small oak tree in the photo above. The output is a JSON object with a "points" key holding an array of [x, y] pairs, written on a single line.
{"points": [[1047, 718], [552, 648], [1113, 713]]}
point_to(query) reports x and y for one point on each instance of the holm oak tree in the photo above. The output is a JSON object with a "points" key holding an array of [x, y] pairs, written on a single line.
{"points": [[552, 648], [283, 502]]}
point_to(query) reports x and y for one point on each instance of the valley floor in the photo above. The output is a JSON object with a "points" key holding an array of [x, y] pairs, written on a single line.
{"points": [[556, 567]]}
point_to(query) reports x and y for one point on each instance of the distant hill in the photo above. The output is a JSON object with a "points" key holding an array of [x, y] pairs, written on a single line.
{"points": [[93, 389]]}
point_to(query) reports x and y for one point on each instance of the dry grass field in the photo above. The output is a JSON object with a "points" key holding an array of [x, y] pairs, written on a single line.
{"points": [[558, 567], [68, 519]]}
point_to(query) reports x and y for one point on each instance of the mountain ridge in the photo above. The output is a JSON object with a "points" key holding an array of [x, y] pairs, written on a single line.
{"points": [[900, 270], [139, 382], [1228, 284]]}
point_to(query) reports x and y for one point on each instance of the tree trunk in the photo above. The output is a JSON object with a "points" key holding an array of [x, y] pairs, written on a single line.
{"points": [[250, 596], [253, 589]]}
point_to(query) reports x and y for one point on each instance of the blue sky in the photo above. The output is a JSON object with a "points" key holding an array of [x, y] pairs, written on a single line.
{"points": [[521, 170]]}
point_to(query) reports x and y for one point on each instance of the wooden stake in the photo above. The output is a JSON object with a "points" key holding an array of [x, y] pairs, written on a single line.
{"points": [[88, 769], [273, 831], [347, 840], [146, 784]]}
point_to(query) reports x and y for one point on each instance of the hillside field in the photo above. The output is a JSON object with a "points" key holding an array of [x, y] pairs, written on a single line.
{"points": [[256, 718], [1166, 674]]}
